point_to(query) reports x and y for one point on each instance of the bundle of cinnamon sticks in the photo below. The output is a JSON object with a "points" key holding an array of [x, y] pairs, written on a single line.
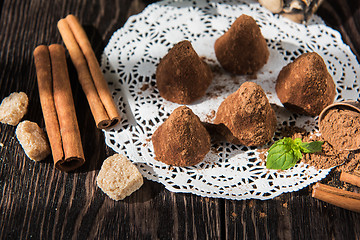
{"points": [[89, 73], [56, 96], [58, 107], [338, 197]]}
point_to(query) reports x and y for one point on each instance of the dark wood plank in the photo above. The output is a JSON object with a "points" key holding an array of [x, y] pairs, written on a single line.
{"points": [[343, 16], [289, 216]]}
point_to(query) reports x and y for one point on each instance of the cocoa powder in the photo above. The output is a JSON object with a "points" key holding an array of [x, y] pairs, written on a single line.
{"points": [[341, 128], [329, 157]]}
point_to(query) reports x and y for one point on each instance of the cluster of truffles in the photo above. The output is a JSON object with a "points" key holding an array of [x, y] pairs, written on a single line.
{"points": [[245, 117], [183, 77]]}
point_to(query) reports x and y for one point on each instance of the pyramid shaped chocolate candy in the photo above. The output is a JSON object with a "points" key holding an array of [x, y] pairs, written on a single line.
{"points": [[242, 49], [248, 115], [181, 140], [181, 76], [305, 86]]}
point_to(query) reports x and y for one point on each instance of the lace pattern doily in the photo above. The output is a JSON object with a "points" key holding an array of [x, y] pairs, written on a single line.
{"points": [[228, 171]]}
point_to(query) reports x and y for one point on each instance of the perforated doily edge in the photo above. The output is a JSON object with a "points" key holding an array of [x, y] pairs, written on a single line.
{"points": [[246, 198]]}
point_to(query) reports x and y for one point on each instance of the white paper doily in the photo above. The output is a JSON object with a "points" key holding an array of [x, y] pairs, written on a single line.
{"points": [[228, 171]]}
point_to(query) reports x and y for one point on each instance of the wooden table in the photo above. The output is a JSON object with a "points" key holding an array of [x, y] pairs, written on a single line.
{"points": [[40, 202]]}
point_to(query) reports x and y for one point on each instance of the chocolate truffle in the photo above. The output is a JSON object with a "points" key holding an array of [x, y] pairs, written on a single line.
{"points": [[248, 116], [181, 140], [181, 76], [305, 86], [242, 49]]}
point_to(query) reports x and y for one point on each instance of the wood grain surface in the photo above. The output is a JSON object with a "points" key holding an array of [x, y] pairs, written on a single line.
{"points": [[40, 202]]}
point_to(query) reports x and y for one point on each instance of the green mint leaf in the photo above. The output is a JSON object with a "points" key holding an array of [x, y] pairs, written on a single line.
{"points": [[283, 154], [311, 147], [298, 153], [297, 141]]}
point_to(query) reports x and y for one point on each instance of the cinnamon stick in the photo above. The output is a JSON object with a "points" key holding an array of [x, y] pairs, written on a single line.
{"points": [[44, 80], [350, 178], [58, 107], [338, 197], [90, 76]]}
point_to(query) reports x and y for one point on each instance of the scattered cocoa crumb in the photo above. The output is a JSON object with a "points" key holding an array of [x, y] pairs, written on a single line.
{"points": [[233, 216], [333, 179], [219, 88], [262, 155], [327, 158], [236, 81], [216, 69], [292, 131], [207, 59], [262, 214], [252, 76], [144, 87], [352, 164], [285, 205], [210, 116], [215, 150]]}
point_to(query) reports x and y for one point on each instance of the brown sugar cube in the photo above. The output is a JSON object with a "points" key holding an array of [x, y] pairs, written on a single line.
{"points": [[13, 108], [118, 177], [33, 140]]}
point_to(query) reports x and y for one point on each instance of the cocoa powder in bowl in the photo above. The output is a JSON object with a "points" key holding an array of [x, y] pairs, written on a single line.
{"points": [[340, 125]]}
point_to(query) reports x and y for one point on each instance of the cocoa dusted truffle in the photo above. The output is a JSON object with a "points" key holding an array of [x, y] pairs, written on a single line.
{"points": [[305, 86], [248, 116], [181, 76], [181, 140], [242, 49]]}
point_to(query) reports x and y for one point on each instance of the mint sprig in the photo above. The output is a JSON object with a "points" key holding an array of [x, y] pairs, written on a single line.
{"points": [[285, 153]]}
